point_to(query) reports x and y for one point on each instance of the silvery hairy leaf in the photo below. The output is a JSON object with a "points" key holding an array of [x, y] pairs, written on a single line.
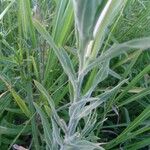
{"points": [[51, 103], [102, 98], [101, 75], [116, 50], [90, 122], [109, 12], [82, 145], [56, 133], [85, 20]]}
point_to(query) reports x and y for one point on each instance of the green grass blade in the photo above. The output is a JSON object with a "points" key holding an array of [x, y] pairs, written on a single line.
{"points": [[6, 9], [45, 93], [60, 8], [36, 71], [13, 131], [51, 103], [143, 116], [61, 53], [130, 57], [23, 129], [132, 63], [133, 82], [46, 125], [139, 145], [135, 97], [25, 20], [63, 22], [21, 103]]}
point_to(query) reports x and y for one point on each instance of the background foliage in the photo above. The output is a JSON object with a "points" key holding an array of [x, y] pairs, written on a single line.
{"points": [[47, 75]]}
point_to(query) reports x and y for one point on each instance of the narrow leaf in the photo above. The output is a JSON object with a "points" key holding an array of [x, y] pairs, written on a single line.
{"points": [[46, 125], [61, 53], [142, 117], [6, 9], [116, 50], [51, 103], [102, 98], [135, 97], [21, 103], [109, 12]]}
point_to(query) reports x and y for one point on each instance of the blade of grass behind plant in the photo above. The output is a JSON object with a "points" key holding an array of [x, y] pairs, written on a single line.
{"points": [[138, 145], [51, 103], [4, 103], [26, 32], [62, 24], [6, 9], [126, 59], [46, 126], [19, 134], [134, 97], [130, 66], [61, 54], [21, 103], [25, 20], [137, 121], [133, 82]]}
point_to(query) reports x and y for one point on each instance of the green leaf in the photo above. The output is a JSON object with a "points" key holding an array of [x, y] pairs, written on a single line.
{"points": [[128, 58], [51, 103], [4, 102], [36, 71], [46, 126], [6, 9], [47, 96], [121, 138], [139, 145], [25, 20], [60, 9], [24, 128], [21, 103], [61, 53], [133, 82], [135, 97], [13, 131], [67, 22], [63, 21]]}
